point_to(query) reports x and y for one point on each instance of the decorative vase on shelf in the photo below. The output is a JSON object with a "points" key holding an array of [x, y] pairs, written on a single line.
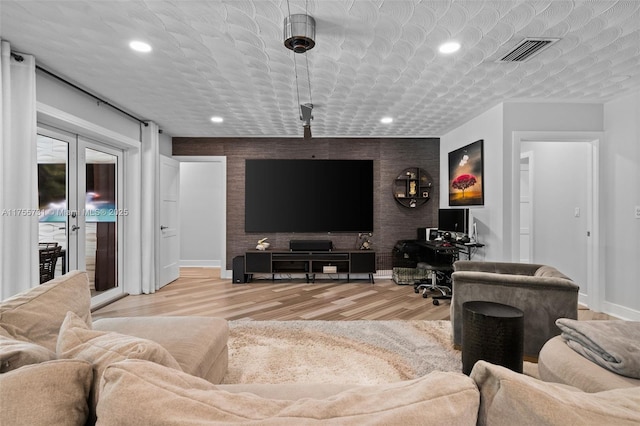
{"points": [[412, 187]]}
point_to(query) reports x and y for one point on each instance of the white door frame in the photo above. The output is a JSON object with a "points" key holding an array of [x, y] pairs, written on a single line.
{"points": [[83, 144], [529, 156], [224, 273], [595, 265]]}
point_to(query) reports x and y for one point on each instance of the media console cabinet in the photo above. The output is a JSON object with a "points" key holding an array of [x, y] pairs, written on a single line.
{"points": [[310, 263]]}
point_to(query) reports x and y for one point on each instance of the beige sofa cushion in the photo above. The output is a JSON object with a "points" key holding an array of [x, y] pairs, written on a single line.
{"points": [[101, 348], [139, 392], [17, 353], [508, 398], [50, 393], [561, 364], [35, 315], [199, 344]]}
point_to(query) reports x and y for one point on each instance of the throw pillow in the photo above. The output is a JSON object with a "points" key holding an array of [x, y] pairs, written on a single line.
{"points": [[508, 398], [153, 394], [36, 314], [50, 393], [101, 348], [17, 353]]}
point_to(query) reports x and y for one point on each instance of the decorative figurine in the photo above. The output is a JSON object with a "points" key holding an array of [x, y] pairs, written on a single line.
{"points": [[263, 244], [364, 241]]}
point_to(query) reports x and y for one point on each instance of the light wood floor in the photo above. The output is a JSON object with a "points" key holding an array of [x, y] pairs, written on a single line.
{"points": [[201, 291]]}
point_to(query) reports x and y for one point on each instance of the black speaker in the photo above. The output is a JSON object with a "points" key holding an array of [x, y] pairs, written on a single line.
{"points": [[238, 270], [310, 245]]}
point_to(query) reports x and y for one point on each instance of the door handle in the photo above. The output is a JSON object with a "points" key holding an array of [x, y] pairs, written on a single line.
{"points": [[74, 228], [162, 227]]}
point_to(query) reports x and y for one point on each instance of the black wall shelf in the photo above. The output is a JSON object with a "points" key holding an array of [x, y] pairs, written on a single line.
{"points": [[412, 187]]}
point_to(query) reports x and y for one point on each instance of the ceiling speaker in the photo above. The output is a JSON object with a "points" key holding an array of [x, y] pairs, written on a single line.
{"points": [[299, 32]]}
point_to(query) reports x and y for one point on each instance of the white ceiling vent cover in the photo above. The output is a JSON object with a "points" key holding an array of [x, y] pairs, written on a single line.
{"points": [[527, 48]]}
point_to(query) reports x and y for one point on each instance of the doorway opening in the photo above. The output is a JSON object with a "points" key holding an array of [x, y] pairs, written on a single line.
{"points": [[562, 199]]}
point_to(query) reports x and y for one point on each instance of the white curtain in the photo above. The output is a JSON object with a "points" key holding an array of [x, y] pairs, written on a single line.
{"points": [[150, 206], [18, 174]]}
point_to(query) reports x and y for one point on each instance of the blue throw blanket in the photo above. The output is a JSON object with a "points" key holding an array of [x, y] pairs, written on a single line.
{"points": [[614, 345]]}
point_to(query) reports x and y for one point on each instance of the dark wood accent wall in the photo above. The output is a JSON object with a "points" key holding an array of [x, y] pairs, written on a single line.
{"points": [[392, 222]]}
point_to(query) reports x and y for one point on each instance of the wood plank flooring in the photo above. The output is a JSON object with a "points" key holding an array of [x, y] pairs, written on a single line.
{"points": [[201, 291]]}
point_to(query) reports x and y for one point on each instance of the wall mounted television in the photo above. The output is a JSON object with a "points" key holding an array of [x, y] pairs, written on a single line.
{"points": [[308, 195], [454, 220]]}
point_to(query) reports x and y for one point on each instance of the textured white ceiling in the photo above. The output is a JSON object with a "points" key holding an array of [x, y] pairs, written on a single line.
{"points": [[372, 59]]}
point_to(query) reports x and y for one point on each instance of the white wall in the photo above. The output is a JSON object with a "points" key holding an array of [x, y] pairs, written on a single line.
{"points": [[620, 194], [55, 93], [165, 145], [543, 117], [487, 126], [202, 215], [619, 190], [559, 186]]}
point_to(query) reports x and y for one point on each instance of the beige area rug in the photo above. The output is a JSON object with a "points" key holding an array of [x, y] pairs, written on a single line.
{"points": [[353, 352]]}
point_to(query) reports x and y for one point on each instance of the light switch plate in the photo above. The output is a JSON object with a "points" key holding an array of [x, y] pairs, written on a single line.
{"points": [[637, 212]]}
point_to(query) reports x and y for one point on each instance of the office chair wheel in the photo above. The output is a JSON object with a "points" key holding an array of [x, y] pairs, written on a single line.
{"points": [[436, 302], [416, 289], [425, 295]]}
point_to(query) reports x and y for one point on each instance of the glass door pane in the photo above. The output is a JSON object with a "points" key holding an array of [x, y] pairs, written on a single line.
{"points": [[101, 218], [54, 193]]}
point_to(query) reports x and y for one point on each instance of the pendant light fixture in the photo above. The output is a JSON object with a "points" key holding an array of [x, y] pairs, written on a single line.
{"points": [[299, 36]]}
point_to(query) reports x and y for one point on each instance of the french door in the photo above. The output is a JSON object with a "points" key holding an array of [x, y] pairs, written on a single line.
{"points": [[80, 186]]}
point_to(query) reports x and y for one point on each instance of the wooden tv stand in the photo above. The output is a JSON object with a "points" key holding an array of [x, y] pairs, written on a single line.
{"points": [[309, 263]]}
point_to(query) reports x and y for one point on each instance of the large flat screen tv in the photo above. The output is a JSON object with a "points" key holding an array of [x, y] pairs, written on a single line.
{"points": [[309, 196]]}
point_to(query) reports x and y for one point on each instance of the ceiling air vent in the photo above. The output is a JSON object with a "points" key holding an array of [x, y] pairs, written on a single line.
{"points": [[527, 48]]}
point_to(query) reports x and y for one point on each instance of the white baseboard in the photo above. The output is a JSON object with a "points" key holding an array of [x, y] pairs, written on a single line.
{"points": [[621, 312]]}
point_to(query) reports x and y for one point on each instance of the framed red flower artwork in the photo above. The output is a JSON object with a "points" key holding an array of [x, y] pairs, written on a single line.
{"points": [[466, 175]]}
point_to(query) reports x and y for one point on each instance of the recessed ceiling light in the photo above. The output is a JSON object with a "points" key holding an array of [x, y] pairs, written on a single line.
{"points": [[449, 47], [140, 46], [386, 120], [217, 119]]}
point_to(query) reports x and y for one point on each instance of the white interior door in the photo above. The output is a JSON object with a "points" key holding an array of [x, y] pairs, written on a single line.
{"points": [[169, 269]]}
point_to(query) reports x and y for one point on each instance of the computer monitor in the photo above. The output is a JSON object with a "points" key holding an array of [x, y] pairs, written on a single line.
{"points": [[454, 220]]}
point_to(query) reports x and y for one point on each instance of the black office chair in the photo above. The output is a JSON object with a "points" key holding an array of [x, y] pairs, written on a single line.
{"points": [[440, 281], [48, 259]]}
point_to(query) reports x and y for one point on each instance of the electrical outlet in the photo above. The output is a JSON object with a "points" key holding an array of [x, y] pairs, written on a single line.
{"points": [[637, 212]]}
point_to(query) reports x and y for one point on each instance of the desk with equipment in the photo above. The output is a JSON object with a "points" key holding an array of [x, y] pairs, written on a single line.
{"points": [[436, 249]]}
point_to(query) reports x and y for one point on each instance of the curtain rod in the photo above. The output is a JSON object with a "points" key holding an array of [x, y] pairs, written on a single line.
{"points": [[44, 70], [20, 58]]}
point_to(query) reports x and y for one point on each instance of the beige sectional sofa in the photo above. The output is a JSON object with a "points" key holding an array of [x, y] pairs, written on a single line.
{"points": [[58, 367]]}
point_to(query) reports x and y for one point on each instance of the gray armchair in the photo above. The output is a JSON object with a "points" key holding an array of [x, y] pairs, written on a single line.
{"points": [[541, 292]]}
